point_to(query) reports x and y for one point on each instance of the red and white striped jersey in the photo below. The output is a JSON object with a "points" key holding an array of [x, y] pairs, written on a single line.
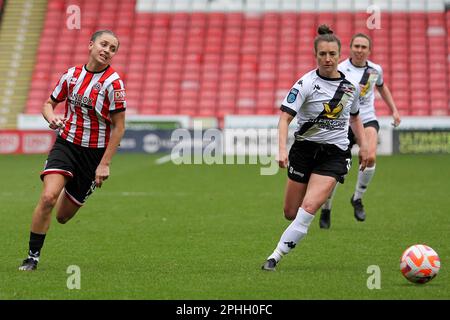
{"points": [[90, 99]]}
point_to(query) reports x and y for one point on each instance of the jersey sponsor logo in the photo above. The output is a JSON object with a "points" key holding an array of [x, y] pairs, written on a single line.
{"points": [[332, 113], [78, 100], [119, 95], [292, 95], [330, 124]]}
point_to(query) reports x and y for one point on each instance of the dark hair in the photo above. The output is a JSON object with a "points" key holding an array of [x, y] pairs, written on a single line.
{"points": [[361, 35], [326, 34], [98, 33]]}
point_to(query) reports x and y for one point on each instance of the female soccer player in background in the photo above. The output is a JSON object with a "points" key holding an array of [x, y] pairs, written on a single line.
{"points": [[325, 102], [369, 75], [88, 137]]}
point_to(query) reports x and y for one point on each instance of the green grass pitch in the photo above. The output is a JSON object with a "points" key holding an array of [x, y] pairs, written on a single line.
{"points": [[203, 232]]}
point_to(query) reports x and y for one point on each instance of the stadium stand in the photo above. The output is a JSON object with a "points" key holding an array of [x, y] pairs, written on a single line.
{"points": [[213, 58], [20, 33]]}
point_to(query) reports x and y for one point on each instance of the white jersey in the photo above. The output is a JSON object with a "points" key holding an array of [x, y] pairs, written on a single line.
{"points": [[323, 107], [367, 77]]}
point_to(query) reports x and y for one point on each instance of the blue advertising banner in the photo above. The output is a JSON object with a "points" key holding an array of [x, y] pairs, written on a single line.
{"points": [[147, 141]]}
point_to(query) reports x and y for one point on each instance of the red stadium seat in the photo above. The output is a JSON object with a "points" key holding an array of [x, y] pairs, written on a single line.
{"points": [[179, 62]]}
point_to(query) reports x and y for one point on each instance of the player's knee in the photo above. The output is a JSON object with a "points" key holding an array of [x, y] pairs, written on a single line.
{"points": [[310, 206], [49, 199], [290, 213], [371, 160], [62, 219]]}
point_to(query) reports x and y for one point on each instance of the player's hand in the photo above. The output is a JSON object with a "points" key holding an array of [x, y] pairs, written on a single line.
{"points": [[282, 159], [363, 155], [101, 174], [397, 120], [56, 123]]}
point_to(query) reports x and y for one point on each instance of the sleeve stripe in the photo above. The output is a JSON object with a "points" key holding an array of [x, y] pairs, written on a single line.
{"points": [[288, 110], [354, 114], [117, 110], [380, 85], [55, 100]]}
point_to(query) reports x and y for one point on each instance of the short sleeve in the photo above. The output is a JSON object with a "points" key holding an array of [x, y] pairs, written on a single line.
{"points": [[295, 97], [380, 80], [60, 91], [116, 96]]}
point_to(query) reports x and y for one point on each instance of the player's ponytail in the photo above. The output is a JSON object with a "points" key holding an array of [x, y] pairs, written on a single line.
{"points": [[324, 29], [326, 34]]}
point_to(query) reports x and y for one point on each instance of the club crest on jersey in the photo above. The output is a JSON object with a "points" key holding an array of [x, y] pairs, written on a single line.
{"points": [[119, 95], [348, 88], [73, 80], [97, 86], [292, 95]]}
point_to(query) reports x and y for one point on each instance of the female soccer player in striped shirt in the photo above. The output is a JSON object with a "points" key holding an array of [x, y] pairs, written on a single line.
{"points": [[88, 136]]}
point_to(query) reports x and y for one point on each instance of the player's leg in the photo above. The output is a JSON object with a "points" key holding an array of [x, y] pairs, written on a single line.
{"points": [[53, 184], [315, 195], [325, 214], [66, 208], [365, 177], [294, 194], [80, 187]]}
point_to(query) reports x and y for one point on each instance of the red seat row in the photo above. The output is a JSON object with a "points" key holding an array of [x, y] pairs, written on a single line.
{"points": [[212, 64]]}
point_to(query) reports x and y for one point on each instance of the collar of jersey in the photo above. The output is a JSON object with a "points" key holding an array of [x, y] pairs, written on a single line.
{"points": [[331, 79], [365, 66], [85, 68]]}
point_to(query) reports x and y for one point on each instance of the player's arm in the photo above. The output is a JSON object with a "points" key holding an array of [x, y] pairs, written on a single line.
{"points": [[358, 130], [387, 97], [283, 128], [54, 121], [117, 131], [290, 107]]}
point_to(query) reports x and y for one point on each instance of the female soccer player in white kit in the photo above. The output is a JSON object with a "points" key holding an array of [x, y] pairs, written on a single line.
{"points": [[368, 75], [325, 102]]}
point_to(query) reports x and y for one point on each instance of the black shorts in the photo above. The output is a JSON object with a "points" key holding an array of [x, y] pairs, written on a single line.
{"points": [[306, 157], [76, 162], [351, 135]]}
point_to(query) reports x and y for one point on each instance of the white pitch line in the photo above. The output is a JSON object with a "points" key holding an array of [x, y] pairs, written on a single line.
{"points": [[166, 159]]}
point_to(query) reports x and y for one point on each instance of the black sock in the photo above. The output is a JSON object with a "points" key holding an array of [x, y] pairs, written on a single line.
{"points": [[36, 243]]}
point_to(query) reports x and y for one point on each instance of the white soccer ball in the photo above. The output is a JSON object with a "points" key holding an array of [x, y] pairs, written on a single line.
{"points": [[420, 263]]}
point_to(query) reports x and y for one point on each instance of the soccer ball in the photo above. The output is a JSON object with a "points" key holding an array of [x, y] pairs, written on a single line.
{"points": [[419, 263]]}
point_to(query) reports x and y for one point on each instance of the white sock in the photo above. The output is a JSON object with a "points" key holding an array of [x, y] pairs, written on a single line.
{"points": [[327, 204], [293, 234], [364, 178]]}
